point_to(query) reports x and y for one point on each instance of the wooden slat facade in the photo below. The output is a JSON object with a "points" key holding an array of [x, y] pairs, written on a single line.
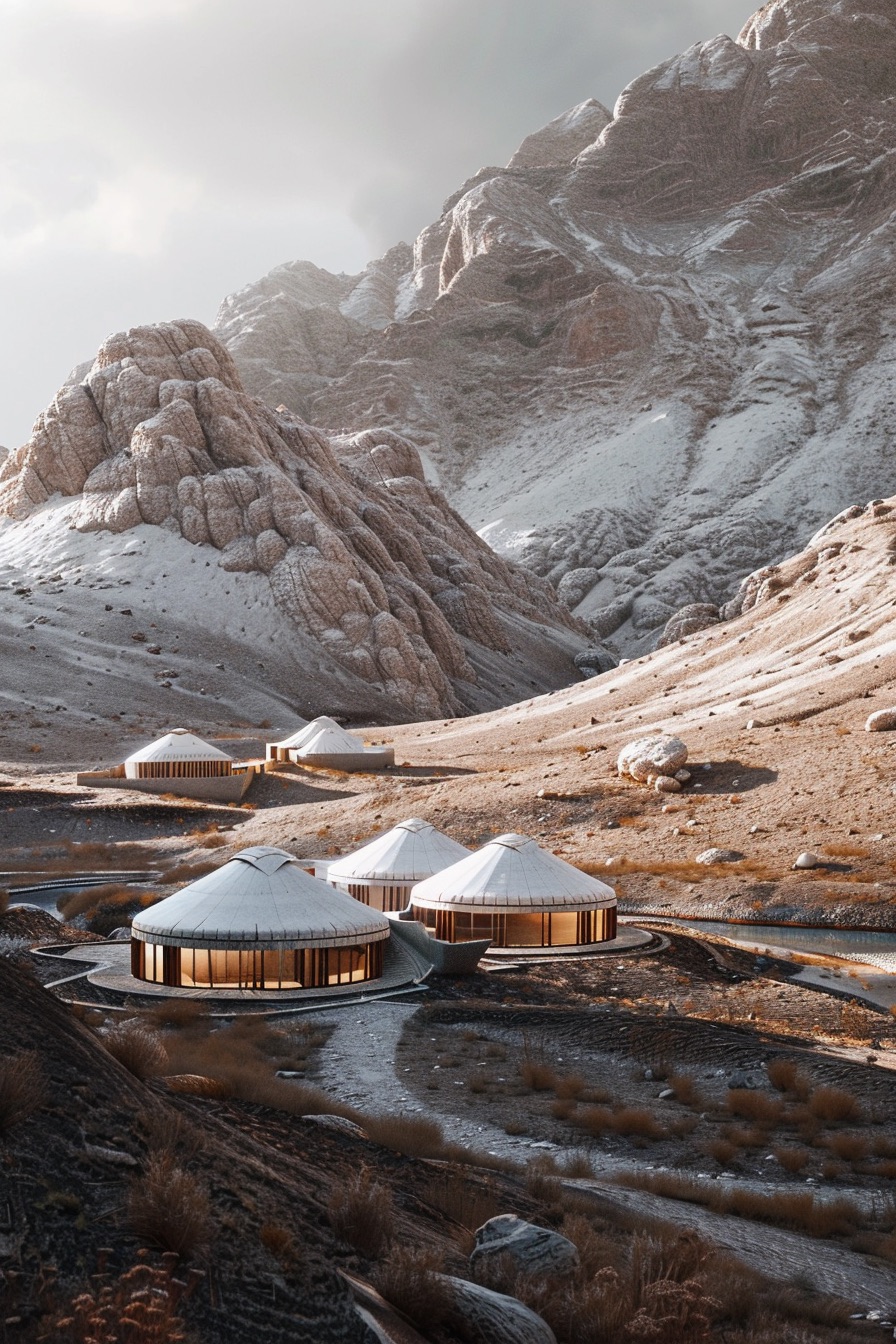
{"points": [[521, 928]]}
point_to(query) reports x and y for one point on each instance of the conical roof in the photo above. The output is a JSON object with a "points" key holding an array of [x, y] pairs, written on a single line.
{"points": [[297, 738], [410, 851], [261, 899], [324, 737], [178, 745], [512, 873]]}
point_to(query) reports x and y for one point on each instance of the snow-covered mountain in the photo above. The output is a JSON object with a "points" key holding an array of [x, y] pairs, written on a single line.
{"points": [[160, 510], [656, 350]]}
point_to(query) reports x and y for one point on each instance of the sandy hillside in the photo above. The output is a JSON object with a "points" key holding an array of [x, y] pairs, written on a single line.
{"points": [[771, 705]]}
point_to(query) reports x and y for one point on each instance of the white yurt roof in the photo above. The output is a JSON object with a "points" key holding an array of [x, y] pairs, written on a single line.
{"points": [[410, 851], [512, 873], [297, 738], [179, 745], [262, 898], [324, 737]]}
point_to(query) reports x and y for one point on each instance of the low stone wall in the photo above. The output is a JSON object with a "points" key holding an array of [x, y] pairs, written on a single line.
{"points": [[217, 789]]}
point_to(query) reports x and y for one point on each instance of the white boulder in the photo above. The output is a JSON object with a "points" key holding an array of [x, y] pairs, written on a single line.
{"points": [[882, 721], [719, 856], [661, 755]]}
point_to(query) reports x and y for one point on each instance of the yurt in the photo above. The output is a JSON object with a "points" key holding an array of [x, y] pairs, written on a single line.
{"points": [[178, 755], [258, 922], [382, 873], [518, 895], [323, 743], [180, 762], [279, 751]]}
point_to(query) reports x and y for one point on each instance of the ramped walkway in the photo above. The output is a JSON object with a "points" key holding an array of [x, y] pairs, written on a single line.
{"points": [[101, 973]]}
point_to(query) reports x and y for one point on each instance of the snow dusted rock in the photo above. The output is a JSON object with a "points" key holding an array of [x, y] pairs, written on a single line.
{"points": [[696, 616], [594, 662], [807, 860], [590, 315], [719, 856], [536, 1250], [564, 137], [493, 1318], [360, 553], [652, 756], [882, 721]]}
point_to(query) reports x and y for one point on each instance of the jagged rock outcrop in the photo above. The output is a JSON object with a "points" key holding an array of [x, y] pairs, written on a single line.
{"points": [[648, 356], [359, 551]]}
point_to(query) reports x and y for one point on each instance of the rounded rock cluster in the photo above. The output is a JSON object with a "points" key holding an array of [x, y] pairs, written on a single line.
{"points": [[657, 762]]}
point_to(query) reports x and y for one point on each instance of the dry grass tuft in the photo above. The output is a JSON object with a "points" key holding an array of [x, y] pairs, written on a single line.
{"points": [[137, 1047], [785, 1076], [791, 1159], [798, 1210], [686, 1091], [722, 1150], [409, 1279], [362, 1215], [23, 1088], [755, 1106], [410, 1135], [627, 1121], [569, 1087], [833, 1105], [170, 1132], [169, 1207], [281, 1244]]}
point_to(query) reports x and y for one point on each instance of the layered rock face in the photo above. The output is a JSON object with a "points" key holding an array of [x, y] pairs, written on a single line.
{"points": [[360, 553], [652, 353]]}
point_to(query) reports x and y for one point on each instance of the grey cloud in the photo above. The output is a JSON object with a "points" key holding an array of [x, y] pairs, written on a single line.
{"points": [[280, 129]]}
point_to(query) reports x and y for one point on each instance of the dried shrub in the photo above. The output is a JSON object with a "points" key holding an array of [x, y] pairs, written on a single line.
{"points": [[722, 1150], [361, 1213], [756, 1106], [569, 1087], [166, 1130], [785, 1076], [791, 1159], [406, 1134], [800, 1211], [833, 1105], [142, 1306], [23, 1088], [169, 1207], [178, 1013], [536, 1073], [281, 1244], [410, 1280], [465, 1201], [849, 1147], [137, 1047], [627, 1121], [685, 1089], [188, 872], [578, 1167]]}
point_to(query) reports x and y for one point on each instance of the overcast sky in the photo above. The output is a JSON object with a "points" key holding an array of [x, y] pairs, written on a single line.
{"points": [[156, 155]]}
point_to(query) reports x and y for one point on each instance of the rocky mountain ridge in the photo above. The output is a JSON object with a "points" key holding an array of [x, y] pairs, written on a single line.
{"points": [[655, 351], [353, 558]]}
